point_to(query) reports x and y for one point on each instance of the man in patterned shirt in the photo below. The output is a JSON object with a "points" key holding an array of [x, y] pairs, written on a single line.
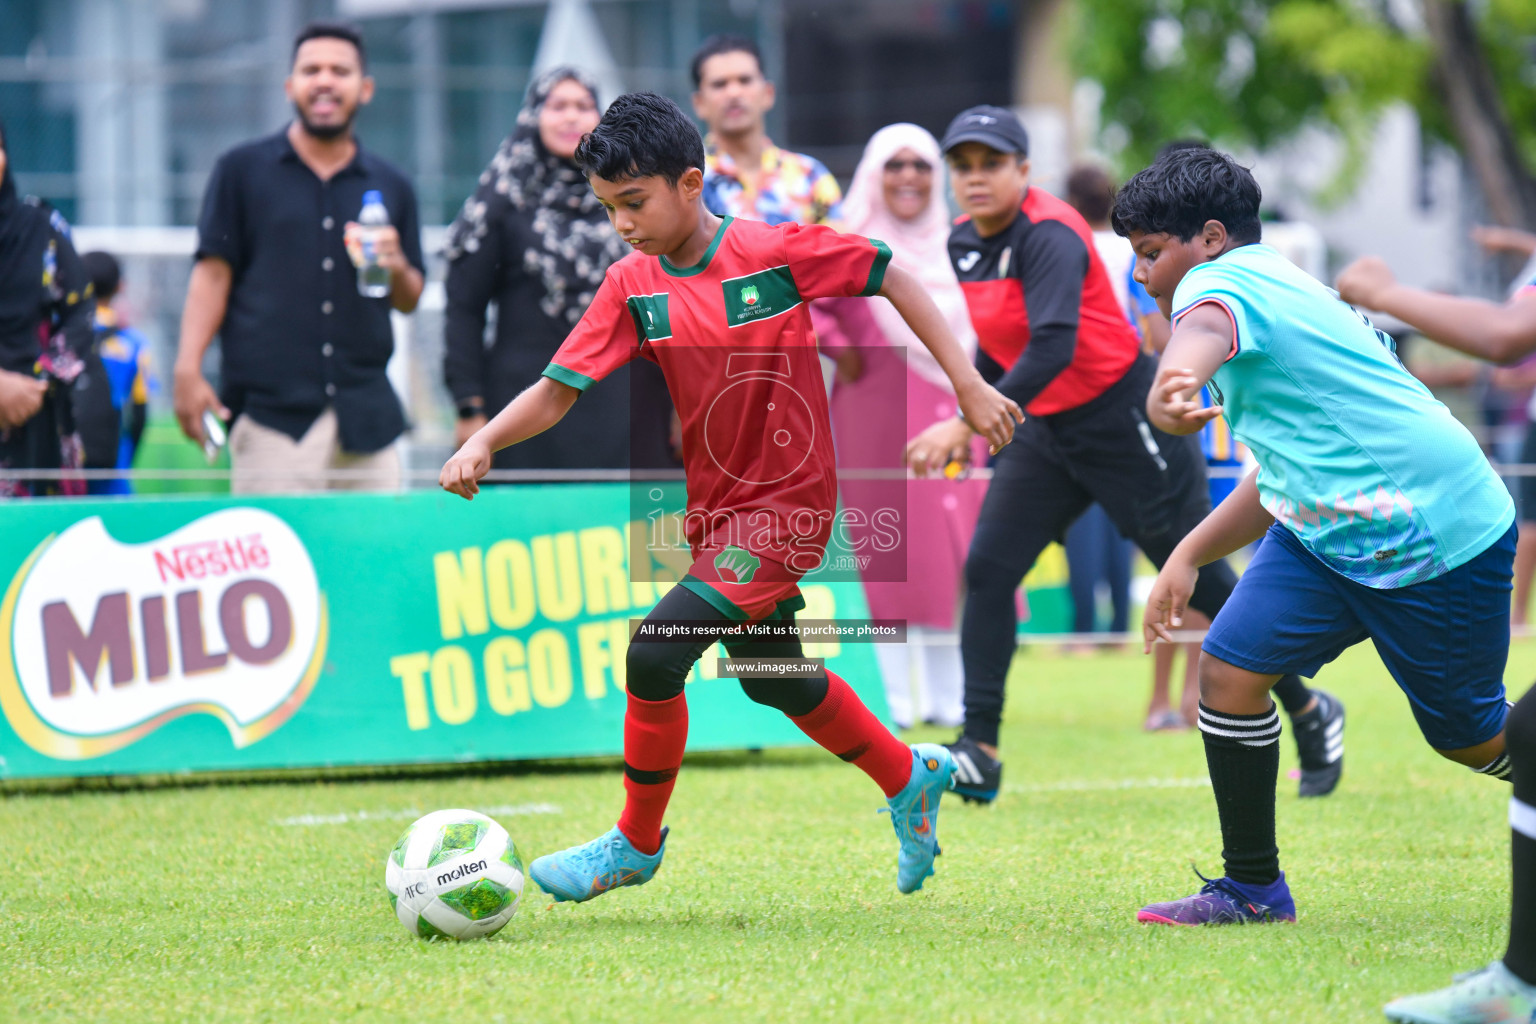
{"points": [[745, 174]]}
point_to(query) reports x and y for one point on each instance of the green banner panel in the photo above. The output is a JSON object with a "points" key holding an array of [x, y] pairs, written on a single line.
{"points": [[182, 634]]}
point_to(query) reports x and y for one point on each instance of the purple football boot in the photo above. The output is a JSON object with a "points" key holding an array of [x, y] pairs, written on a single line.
{"points": [[1223, 901]]}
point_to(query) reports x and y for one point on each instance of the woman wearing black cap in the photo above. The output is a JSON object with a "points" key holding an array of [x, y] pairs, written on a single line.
{"points": [[1053, 337]]}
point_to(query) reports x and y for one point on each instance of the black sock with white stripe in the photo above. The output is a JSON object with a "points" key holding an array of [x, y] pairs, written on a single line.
{"points": [[1520, 742], [1498, 768], [1242, 754]]}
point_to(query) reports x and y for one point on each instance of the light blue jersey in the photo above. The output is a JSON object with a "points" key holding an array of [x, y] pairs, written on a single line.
{"points": [[1356, 457]]}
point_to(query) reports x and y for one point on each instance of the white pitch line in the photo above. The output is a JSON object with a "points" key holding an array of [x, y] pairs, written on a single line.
{"points": [[507, 810], [1108, 785], [410, 814]]}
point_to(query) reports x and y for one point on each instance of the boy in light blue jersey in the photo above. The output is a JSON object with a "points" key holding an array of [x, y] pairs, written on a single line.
{"points": [[1382, 518]]}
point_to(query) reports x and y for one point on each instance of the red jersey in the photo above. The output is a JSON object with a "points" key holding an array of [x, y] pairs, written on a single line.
{"points": [[733, 337], [1046, 317]]}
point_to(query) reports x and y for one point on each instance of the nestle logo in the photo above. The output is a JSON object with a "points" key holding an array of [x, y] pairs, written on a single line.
{"points": [[205, 558], [460, 872]]}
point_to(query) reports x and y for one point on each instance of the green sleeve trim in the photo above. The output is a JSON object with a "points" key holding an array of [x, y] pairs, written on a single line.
{"points": [[721, 603], [570, 378], [877, 269]]}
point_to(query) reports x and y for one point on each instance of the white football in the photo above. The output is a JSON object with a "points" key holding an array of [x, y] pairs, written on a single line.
{"points": [[454, 874]]}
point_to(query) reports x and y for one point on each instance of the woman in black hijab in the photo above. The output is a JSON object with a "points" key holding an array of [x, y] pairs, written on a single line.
{"points": [[45, 328], [535, 240]]}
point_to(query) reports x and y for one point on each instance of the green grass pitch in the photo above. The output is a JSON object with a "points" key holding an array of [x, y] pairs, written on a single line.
{"points": [[777, 901]]}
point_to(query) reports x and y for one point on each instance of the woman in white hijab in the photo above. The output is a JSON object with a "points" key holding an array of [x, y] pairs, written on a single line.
{"points": [[897, 196]]}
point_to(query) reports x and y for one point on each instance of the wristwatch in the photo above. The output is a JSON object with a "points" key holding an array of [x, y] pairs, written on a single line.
{"points": [[470, 409]]}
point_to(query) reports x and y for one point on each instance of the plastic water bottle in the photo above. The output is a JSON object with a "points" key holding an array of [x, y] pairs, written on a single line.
{"points": [[372, 279]]}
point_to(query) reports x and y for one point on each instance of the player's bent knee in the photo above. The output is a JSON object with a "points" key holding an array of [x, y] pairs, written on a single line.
{"points": [[985, 573], [655, 671], [795, 696], [1485, 758], [1225, 687]]}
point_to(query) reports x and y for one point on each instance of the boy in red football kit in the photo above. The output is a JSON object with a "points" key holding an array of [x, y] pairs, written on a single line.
{"points": [[720, 306]]}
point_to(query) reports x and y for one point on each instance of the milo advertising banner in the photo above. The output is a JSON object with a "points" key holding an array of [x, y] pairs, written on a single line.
{"points": [[222, 634]]}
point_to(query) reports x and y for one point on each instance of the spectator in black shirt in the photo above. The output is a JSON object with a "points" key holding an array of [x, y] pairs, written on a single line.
{"points": [[534, 240], [45, 329], [304, 352]]}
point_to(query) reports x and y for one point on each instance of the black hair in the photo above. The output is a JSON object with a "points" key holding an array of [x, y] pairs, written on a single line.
{"points": [[1186, 188], [331, 30], [714, 46], [641, 134], [105, 272], [1090, 192], [1175, 145]]}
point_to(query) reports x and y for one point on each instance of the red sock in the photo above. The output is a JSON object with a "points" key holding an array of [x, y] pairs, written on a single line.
{"points": [[655, 733], [842, 724]]}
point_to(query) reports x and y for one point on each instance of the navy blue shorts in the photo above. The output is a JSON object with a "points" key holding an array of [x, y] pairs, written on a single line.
{"points": [[1445, 640]]}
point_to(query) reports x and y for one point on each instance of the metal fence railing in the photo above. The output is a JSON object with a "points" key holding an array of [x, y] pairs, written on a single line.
{"points": [[426, 476]]}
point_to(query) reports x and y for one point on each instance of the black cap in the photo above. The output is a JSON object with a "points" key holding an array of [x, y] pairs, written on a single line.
{"points": [[997, 127]]}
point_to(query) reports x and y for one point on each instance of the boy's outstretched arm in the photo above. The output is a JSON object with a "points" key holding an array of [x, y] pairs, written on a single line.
{"points": [[534, 411], [1236, 522], [986, 410], [1200, 343], [1498, 333]]}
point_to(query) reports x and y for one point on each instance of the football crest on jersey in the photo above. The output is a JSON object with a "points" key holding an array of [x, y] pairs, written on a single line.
{"points": [[759, 296]]}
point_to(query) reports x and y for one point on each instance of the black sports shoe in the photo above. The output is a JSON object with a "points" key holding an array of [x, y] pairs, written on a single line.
{"points": [[978, 775], [1320, 745]]}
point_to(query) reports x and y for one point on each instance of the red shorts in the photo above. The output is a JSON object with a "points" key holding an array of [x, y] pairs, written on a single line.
{"points": [[742, 586]]}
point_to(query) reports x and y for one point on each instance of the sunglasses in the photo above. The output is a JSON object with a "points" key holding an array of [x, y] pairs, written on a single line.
{"points": [[897, 166]]}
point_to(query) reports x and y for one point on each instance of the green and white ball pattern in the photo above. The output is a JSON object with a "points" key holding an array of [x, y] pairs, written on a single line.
{"points": [[454, 874]]}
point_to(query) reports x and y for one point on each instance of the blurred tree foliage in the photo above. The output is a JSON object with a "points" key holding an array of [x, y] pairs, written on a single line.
{"points": [[1255, 72]]}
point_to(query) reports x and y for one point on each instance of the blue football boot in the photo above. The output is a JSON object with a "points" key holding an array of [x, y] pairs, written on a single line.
{"points": [[591, 869], [1493, 995], [915, 814]]}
